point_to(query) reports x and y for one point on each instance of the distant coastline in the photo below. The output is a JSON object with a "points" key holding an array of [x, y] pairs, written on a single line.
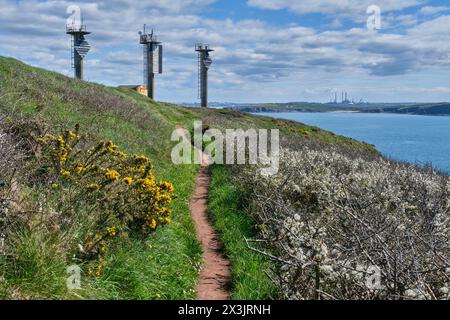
{"points": [[417, 139], [427, 109]]}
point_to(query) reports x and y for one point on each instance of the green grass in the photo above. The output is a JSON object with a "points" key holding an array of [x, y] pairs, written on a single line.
{"points": [[234, 225], [165, 264], [38, 264]]}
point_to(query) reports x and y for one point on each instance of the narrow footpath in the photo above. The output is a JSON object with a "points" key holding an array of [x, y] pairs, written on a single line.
{"points": [[215, 276]]}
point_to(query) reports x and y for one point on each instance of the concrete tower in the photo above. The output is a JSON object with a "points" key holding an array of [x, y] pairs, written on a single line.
{"points": [[153, 53], [204, 63], [80, 47]]}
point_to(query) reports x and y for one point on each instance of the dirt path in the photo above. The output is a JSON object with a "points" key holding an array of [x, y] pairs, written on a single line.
{"points": [[215, 276]]}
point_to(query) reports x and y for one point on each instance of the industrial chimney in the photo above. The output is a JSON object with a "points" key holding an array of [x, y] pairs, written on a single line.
{"points": [[79, 47], [204, 63], [153, 53]]}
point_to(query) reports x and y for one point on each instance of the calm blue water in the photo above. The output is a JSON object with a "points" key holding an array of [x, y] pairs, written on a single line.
{"points": [[417, 139]]}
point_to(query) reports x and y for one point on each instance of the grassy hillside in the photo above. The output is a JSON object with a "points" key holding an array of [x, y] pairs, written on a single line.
{"points": [[161, 265], [439, 109]]}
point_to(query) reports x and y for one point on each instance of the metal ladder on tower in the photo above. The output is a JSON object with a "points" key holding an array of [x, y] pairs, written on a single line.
{"points": [[72, 48], [199, 77], [146, 71]]}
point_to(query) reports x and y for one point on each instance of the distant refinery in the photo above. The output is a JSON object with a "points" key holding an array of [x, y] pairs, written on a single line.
{"points": [[345, 99]]}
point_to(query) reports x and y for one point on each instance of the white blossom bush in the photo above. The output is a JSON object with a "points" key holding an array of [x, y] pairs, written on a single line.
{"points": [[343, 226]]}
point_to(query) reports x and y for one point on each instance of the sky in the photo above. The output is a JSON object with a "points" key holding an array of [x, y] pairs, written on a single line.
{"points": [[265, 50]]}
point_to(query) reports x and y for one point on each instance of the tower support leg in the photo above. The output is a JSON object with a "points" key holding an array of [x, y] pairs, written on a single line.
{"points": [[151, 86], [78, 64], [203, 82]]}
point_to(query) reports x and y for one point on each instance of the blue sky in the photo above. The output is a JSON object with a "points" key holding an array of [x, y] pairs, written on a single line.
{"points": [[266, 50]]}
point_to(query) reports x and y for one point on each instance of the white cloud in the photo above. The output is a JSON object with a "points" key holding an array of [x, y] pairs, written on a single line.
{"points": [[432, 10], [332, 7], [254, 59]]}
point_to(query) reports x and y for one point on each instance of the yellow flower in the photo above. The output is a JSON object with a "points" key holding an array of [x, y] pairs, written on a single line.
{"points": [[128, 181], [148, 184], [112, 175], [72, 136], [111, 147], [141, 160], [79, 169], [152, 224], [99, 146], [99, 270], [166, 186], [93, 187], [65, 173], [112, 231]]}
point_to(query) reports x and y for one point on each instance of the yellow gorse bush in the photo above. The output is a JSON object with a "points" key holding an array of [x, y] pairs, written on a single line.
{"points": [[119, 188], [113, 175]]}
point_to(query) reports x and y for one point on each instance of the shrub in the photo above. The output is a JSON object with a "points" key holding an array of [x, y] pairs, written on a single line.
{"points": [[10, 162], [107, 190], [333, 221]]}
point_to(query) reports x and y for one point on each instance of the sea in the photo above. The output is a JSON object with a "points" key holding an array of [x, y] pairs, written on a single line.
{"points": [[422, 140]]}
